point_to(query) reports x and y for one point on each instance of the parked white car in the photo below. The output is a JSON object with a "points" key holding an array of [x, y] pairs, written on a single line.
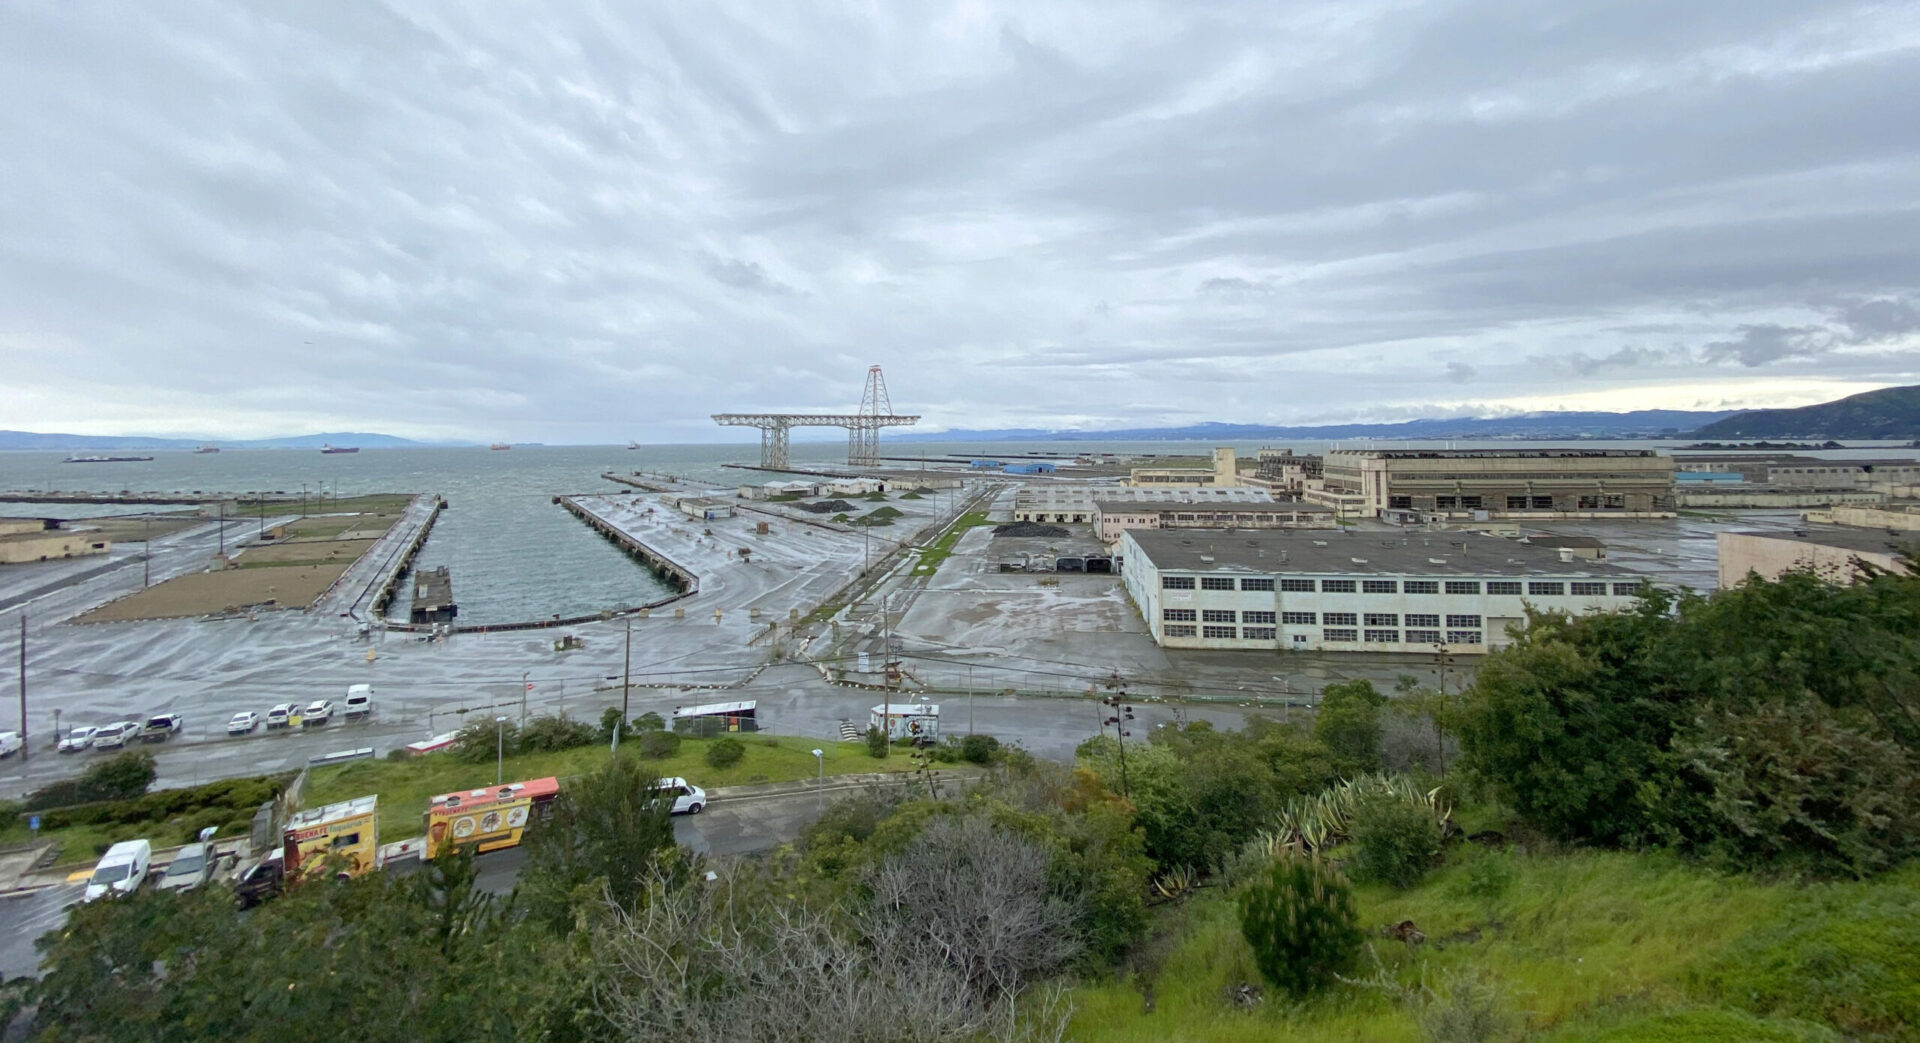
{"points": [[687, 798], [9, 743], [114, 736], [243, 722], [319, 711], [278, 716], [121, 870], [78, 738]]}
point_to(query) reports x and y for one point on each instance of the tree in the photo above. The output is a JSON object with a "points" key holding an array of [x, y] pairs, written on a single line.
{"points": [[1348, 723], [1298, 917], [608, 830], [876, 743], [123, 776], [483, 741]]}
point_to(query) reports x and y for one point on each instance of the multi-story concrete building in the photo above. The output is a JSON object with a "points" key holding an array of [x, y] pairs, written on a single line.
{"points": [[1830, 552], [1325, 592], [1112, 517], [1417, 484], [1224, 474], [1073, 503]]}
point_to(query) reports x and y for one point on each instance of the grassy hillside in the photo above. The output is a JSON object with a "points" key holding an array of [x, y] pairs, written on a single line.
{"points": [[1586, 945], [1884, 414]]}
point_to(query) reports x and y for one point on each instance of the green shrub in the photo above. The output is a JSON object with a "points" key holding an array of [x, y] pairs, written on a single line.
{"points": [[610, 719], [553, 734], [1299, 919], [483, 741], [1700, 1026], [725, 752], [649, 722], [876, 743], [658, 745], [978, 749], [1391, 841], [1845, 954], [123, 776]]}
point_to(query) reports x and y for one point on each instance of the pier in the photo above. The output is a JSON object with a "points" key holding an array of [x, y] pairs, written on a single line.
{"points": [[432, 597], [396, 562], [680, 577]]}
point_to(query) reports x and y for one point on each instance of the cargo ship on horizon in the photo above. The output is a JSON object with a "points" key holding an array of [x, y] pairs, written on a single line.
{"points": [[339, 448]]}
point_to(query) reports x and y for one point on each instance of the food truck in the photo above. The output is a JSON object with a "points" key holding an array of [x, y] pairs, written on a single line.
{"points": [[919, 722], [347, 833], [486, 819]]}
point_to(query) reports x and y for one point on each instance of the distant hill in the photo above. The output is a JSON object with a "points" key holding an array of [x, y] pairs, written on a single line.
{"points": [[1888, 413], [1651, 423], [68, 443]]}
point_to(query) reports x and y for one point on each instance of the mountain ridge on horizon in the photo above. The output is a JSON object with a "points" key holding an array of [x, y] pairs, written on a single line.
{"points": [[56, 441]]}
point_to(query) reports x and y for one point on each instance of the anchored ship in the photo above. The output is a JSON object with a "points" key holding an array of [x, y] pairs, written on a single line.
{"points": [[339, 448]]}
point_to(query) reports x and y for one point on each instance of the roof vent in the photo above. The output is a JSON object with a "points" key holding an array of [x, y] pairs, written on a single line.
{"points": [[1436, 561], [1359, 561], [1208, 558], [1319, 543]]}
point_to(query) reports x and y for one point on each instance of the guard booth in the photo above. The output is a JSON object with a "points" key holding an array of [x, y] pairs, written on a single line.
{"points": [[716, 718], [917, 722]]}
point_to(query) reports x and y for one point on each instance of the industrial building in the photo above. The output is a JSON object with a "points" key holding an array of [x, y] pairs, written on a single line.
{"points": [[1411, 485], [1224, 474], [1073, 503], [1830, 552], [42, 539], [1283, 474], [1306, 591], [1110, 518]]}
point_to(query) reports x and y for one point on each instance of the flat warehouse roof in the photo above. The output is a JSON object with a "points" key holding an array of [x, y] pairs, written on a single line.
{"points": [[1221, 507], [1282, 551], [1878, 541], [1471, 454]]}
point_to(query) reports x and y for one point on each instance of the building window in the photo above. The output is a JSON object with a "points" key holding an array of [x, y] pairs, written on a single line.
{"points": [[1465, 586], [1341, 619], [1463, 637], [1503, 586], [1256, 617], [1180, 631], [1463, 621], [1387, 636], [1380, 586], [1298, 586], [1589, 503], [1626, 589], [1256, 584], [1400, 503], [1543, 503], [1258, 633], [1383, 619], [1299, 618], [1422, 586], [1216, 583], [1176, 583], [1516, 503], [1336, 586], [1443, 503], [1614, 501], [1589, 589], [1422, 619], [1538, 587], [1178, 615], [1472, 503], [1217, 615], [1423, 637], [1339, 635], [1230, 633]]}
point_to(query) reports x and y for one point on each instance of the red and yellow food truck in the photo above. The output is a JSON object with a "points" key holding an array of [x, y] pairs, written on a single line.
{"points": [[485, 819], [348, 832]]}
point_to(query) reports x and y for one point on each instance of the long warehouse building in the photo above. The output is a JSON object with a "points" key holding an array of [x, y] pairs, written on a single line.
{"points": [[1308, 591], [1418, 484]]}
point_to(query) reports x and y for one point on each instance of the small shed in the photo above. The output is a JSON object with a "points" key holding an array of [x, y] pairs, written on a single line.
{"points": [[716, 718]]}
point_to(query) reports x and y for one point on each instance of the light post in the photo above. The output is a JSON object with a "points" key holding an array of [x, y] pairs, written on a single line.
{"points": [[820, 780], [969, 698], [303, 499], [146, 553], [499, 750], [1442, 658]]}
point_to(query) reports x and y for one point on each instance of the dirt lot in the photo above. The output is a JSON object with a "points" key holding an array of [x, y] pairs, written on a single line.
{"points": [[199, 593], [306, 552]]}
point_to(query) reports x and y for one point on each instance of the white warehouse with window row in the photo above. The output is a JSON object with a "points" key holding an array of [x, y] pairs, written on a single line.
{"points": [[1372, 592]]}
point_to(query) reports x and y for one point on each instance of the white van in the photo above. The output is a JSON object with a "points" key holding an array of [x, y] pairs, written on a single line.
{"points": [[359, 700], [121, 870], [687, 798], [9, 743]]}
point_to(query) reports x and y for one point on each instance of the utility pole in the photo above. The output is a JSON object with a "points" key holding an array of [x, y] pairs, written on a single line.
{"points": [[146, 554], [523, 697], [223, 526], [1122, 715], [626, 683], [24, 744]]}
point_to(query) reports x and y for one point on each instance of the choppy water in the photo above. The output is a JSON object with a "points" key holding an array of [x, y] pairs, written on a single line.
{"points": [[513, 554]]}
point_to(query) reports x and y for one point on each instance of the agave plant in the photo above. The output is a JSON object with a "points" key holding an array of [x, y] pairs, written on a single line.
{"points": [[1324, 819], [1176, 882]]}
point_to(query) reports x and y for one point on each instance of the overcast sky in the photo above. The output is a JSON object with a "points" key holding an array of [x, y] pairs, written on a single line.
{"points": [[587, 223]]}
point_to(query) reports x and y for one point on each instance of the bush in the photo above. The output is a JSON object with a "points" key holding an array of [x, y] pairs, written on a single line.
{"points": [[1348, 723], [649, 722], [483, 741], [658, 745], [876, 743], [553, 734], [609, 720], [726, 752], [1300, 921], [978, 749], [1392, 842], [123, 776]]}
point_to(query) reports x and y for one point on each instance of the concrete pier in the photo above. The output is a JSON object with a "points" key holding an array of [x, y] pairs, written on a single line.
{"points": [[682, 578]]}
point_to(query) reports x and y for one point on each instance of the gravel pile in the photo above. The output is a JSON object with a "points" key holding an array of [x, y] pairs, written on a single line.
{"points": [[1050, 532], [827, 507]]}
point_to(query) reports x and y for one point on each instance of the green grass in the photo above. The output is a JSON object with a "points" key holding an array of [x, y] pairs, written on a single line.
{"points": [[942, 548], [1583, 946], [405, 785]]}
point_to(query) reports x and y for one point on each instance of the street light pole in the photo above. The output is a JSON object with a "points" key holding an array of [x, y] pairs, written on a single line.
{"points": [[626, 683], [146, 554], [523, 697], [24, 744], [499, 750], [820, 781]]}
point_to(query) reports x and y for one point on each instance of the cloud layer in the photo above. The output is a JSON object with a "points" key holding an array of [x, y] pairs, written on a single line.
{"points": [[590, 222]]}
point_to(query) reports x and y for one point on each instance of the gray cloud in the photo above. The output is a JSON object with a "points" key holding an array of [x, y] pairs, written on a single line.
{"points": [[1027, 215]]}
